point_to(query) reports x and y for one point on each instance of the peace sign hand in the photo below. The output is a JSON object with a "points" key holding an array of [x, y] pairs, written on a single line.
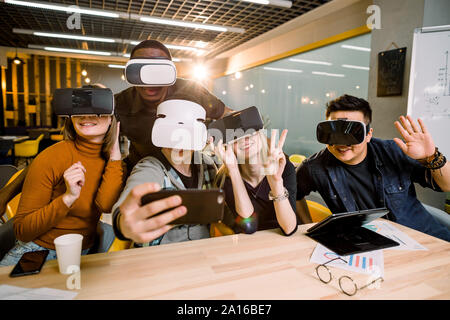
{"points": [[226, 155], [276, 160], [419, 143]]}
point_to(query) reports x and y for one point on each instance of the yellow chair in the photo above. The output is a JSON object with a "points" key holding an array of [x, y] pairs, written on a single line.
{"points": [[218, 229], [118, 245], [56, 137], [28, 149], [296, 159], [317, 211], [11, 207]]}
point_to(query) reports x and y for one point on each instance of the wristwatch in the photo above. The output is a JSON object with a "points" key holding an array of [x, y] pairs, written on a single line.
{"points": [[284, 195]]}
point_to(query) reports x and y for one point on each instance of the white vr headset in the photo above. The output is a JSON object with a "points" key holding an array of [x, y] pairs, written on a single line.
{"points": [[150, 72], [180, 125]]}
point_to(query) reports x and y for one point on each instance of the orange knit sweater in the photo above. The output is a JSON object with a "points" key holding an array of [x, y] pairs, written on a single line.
{"points": [[42, 216]]}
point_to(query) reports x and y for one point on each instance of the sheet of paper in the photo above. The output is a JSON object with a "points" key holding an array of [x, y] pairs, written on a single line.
{"points": [[389, 231], [8, 292], [368, 262]]}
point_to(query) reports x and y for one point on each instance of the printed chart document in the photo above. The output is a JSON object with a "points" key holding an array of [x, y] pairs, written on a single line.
{"points": [[8, 292], [368, 262], [389, 231]]}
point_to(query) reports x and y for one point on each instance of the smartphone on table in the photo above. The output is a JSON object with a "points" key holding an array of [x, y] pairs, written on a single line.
{"points": [[29, 263], [203, 206]]}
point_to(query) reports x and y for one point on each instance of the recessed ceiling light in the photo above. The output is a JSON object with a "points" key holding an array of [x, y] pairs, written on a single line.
{"points": [[65, 8], [320, 73], [349, 66], [346, 46], [283, 70], [311, 61]]}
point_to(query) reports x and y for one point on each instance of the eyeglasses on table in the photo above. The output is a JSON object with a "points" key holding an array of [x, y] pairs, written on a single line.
{"points": [[346, 283]]}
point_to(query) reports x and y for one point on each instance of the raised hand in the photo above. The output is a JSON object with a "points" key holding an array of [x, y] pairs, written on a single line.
{"points": [[226, 155], [276, 160], [418, 143], [114, 152], [74, 180]]}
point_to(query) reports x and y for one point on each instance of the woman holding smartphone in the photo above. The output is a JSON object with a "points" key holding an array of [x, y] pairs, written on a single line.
{"points": [[68, 186], [259, 184]]}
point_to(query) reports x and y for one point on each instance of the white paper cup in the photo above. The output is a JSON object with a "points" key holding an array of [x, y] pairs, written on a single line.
{"points": [[68, 251]]}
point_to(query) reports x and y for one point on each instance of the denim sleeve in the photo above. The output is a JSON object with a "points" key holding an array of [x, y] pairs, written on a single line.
{"points": [[304, 182], [419, 174]]}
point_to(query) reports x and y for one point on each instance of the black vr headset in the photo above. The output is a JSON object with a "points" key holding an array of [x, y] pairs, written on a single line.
{"points": [[342, 132], [83, 101], [235, 126]]}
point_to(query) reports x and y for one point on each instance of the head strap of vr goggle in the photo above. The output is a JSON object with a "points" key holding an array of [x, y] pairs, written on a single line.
{"points": [[367, 125]]}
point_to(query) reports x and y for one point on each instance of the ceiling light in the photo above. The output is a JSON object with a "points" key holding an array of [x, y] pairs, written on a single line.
{"points": [[101, 53], [125, 15], [349, 66], [116, 66], [263, 91], [88, 38], [289, 87], [345, 46], [311, 61], [328, 74], [184, 24], [277, 3], [17, 60], [87, 80], [281, 69], [84, 73], [56, 7], [201, 44], [200, 72], [238, 75], [70, 36], [224, 92]]}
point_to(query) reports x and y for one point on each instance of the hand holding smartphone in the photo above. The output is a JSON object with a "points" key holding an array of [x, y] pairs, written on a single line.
{"points": [[203, 206]]}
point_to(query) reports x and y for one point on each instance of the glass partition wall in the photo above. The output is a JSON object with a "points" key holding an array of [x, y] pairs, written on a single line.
{"points": [[292, 92]]}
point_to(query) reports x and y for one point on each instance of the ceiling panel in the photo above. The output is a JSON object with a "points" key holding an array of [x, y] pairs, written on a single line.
{"points": [[254, 18]]}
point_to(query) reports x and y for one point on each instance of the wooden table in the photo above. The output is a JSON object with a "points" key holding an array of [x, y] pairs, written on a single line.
{"points": [[265, 265]]}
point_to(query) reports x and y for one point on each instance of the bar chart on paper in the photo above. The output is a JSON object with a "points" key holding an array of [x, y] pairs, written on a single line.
{"points": [[368, 262]]}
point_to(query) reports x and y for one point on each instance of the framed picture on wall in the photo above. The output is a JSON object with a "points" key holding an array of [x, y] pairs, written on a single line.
{"points": [[391, 68]]}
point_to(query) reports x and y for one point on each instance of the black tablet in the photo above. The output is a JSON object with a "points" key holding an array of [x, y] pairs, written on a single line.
{"points": [[344, 234]]}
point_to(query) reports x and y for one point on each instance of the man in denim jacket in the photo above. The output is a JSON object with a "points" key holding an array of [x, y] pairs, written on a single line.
{"points": [[378, 173]]}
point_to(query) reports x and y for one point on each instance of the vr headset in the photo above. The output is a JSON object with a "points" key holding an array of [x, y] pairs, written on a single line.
{"points": [[237, 125], [83, 101], [180, 125], [342, 132], [156, 72]]}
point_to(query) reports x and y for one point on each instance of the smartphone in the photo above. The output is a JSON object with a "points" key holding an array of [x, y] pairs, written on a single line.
{"points": [[29, 263], [203, 206]]}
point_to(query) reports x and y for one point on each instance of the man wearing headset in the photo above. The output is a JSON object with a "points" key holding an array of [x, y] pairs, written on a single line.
{"points": [[136, 106], [358, 172]]}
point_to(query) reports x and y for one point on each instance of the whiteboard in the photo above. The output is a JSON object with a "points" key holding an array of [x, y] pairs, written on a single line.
{"points": [[429, 85]]}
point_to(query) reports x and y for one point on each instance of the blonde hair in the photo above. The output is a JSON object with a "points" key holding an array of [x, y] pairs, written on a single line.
{"points": [[222, 173]]}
